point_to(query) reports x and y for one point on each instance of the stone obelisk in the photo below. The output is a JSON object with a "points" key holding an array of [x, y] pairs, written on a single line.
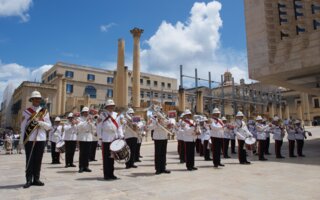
{"points": [[136, 33], [121, 89]]}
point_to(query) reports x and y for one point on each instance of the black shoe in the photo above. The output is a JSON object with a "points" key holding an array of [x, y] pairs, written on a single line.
{"points": [[128, 167], [66, 166], [182, 161], [189, 169], [215, 166], [81, 170], [247, 163], [158, 172], [72, 165], [302, 155], [134, 166], [137, 161], [208, 159], [233, 152], [28, 184], [263, 159], [194, 168], [292, 156], [221, 165], [113, 177], [268, 153], [87, 170], [140, 157], [166, 171], [227, 157], [242, 163], [281, 157], [38, 183]]}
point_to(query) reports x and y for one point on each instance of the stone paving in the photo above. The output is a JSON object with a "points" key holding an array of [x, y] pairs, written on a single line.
{"points": [[289, 178]]}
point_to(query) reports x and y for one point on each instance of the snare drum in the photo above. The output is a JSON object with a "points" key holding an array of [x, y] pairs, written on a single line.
{"points": [[60, 147], [250, 143], [120, 151]]}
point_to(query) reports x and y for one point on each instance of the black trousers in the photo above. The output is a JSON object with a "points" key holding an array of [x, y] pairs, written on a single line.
{"points": [[35, 159], [70, 149], [225, 147], [278, 145], [206, 150], [93, 149], [300, 144], [242, 154], [189, 154], [84, 154], [108, 162], [137, 152], [132, 143], [160, 155], [216, 150], [267, 145], [181, 150], [199, 148], [261, 150], [291, 147], [233, 145], [54, 155]]}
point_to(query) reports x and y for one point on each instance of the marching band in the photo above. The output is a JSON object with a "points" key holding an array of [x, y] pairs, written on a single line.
{"points": [[120, 135]]}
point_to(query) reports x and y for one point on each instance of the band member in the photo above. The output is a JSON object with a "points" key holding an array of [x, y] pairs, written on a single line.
{"points": [[8, 143], [131, 137], [291, 138], [278, 133], [228, 132], [261, 137], [242, 133], [55, 135], [179, 137], [233, 142], [35, 123], [85, 133], [94, 143], [267, 143], [108, 130], [300, 136], [138, 148], [205, 137], [217, 135], [160, 137], [189, 137], [70, 139]]}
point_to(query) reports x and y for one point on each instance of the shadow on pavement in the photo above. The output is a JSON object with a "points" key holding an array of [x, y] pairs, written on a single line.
{"points": [[6, 187], [147, 174]]}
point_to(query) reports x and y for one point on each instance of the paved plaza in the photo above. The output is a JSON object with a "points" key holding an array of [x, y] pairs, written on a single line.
{"points": [[290, 178]]}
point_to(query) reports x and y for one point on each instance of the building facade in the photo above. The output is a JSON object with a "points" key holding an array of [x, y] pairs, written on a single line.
{"points": [[80, 86], [283, 39]]}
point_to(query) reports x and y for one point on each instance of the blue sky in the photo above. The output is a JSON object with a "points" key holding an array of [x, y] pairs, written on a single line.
{"points": [[35, 34]]}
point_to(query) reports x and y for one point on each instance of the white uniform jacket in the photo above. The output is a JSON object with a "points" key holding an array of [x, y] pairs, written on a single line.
{"points": [[56, 133], [300, 133], [159, 133], [38, 134], [277, 132], [188, 130], [217, 128], [261, 131], [70, 132], [85, 130], [241, 130], [291, 132], [109, 127]]}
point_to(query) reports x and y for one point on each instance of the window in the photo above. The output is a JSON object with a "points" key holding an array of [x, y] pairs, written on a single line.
{"points": [[169, 85], [156, 94], [68, 74], [316, 24], [163, 95], [316, 103], [148, 94], [300, 30], [110, 80], [315, 8], [169, 96], [141, 81], [142, 94], [90, 91], [163, 84], [109, 93], [148, 82], [91, 77], [69, 88], [54, 74], [155, 83], [43, 81]]}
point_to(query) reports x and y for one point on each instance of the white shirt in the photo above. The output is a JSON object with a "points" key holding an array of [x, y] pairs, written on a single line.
{"points": [[56, 133], [188, 131], [159, 133], [70, 132], [39, 134], [108, 130], [261, 131], [277, 133], [85, 130], [241, 130], [291, 132], [217, 128], [300, 134], [205, 133], [128, 131], [228, 133]]}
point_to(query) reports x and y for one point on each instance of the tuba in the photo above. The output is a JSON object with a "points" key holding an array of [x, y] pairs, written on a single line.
{"points": [[155, 110]]}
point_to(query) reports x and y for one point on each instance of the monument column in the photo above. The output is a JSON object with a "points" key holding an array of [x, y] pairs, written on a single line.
{"points": [[136, 33], [182, 100], [199, 102], [121, 89]]}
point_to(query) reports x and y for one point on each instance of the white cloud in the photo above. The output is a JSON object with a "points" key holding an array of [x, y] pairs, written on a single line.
{"points": [[194, 43], [106, 27], [14, 74], [18, 8]]}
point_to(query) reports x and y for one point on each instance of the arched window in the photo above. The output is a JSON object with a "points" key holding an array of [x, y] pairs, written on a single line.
{"points": [[91, 91]]}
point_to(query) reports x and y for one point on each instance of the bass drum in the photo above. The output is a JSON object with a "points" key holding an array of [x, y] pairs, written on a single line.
{"points": [[60, 147], [120, 151]]}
